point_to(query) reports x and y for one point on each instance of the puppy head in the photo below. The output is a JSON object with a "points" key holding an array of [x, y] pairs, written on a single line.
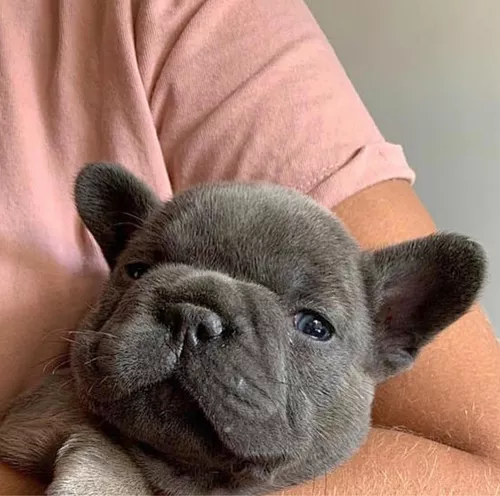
{"points": [[242, 331]]}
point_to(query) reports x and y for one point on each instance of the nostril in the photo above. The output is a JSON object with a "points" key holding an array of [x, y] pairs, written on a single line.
{"points": [[195, 323], [208, 328], [171, 318]]}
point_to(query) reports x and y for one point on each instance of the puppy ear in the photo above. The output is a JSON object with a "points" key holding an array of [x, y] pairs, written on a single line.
{"points": [[416, 289], [113, 204]]}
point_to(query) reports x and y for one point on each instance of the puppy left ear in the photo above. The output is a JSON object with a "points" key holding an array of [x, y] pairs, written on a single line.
{"points": [[113, 204], [416, 289]]}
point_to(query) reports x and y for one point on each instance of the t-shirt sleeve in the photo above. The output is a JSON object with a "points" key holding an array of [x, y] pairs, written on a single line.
{"points": [[251, 90]]}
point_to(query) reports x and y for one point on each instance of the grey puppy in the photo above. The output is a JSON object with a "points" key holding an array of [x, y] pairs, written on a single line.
{"points": [[237, 345]]}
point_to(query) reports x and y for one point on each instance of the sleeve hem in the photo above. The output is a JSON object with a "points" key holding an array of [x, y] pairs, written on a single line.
{"points": [[370, 165]]}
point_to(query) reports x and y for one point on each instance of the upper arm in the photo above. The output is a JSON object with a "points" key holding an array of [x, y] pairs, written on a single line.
{"points": [[252, 90], [452, 393]]}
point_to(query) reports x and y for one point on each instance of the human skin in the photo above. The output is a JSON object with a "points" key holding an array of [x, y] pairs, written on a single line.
{"points": [[436, 427]]}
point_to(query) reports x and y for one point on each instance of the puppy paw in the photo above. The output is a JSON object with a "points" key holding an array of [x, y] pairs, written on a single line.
{"points": [[36, 424], [89, 464]]}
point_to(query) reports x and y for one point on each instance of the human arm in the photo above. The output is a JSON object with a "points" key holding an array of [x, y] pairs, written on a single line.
{"points": [[438, 425], [393, 463]]}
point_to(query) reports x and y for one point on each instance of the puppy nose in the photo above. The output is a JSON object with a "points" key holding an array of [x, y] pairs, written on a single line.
{"points": [[200, 325], [197, 324]]}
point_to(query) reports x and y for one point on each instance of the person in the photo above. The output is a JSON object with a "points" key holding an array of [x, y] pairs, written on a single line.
{"points": [[204, 90]]}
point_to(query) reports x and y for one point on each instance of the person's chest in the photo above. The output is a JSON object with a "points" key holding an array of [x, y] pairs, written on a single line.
{"points": [[71, 92]]}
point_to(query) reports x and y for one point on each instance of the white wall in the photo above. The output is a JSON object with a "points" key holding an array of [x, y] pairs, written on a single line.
{"points": [[429, 72]]}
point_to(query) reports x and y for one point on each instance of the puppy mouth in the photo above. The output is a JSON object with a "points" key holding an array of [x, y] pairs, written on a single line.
{"points": [[201, 425], [222, 438], [252, 420], [200, 416], [242, 411], [188, 434]]}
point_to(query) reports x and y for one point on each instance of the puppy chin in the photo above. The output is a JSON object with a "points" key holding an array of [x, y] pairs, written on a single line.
{"points": [[256, 441], [254, 423]]}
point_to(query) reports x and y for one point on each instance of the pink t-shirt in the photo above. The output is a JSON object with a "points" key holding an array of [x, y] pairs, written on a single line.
{"points": [[180, 93]]}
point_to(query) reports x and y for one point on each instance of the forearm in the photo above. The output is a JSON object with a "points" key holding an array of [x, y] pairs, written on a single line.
{"points": [[396, 463], [460, 407], [451, 394], [389, 463]]}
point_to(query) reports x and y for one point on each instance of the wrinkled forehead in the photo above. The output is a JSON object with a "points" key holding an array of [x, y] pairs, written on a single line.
{"points": [[263, 234]]}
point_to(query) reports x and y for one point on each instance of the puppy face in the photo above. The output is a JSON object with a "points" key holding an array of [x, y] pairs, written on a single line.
{"points": [[239, 340]]}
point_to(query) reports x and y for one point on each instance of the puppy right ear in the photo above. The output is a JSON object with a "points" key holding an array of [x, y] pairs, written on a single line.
{"points": [[113, 204]]}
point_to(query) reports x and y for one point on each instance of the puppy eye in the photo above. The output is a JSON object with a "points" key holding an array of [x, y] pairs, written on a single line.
{"points": [[314, 326], [136, 270]]}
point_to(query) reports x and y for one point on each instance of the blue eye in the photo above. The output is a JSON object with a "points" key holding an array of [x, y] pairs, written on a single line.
{"points": [[136, 270], [314, 326]]}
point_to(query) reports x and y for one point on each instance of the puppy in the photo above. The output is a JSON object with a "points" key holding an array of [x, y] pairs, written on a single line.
{"points": [[236, 346]]}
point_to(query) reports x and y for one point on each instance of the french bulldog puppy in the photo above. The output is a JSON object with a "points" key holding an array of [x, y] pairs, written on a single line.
{"points": [[236, 346]]}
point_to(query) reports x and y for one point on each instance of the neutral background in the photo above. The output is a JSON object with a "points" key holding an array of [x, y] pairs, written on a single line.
{"points": [[429, 72]]}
